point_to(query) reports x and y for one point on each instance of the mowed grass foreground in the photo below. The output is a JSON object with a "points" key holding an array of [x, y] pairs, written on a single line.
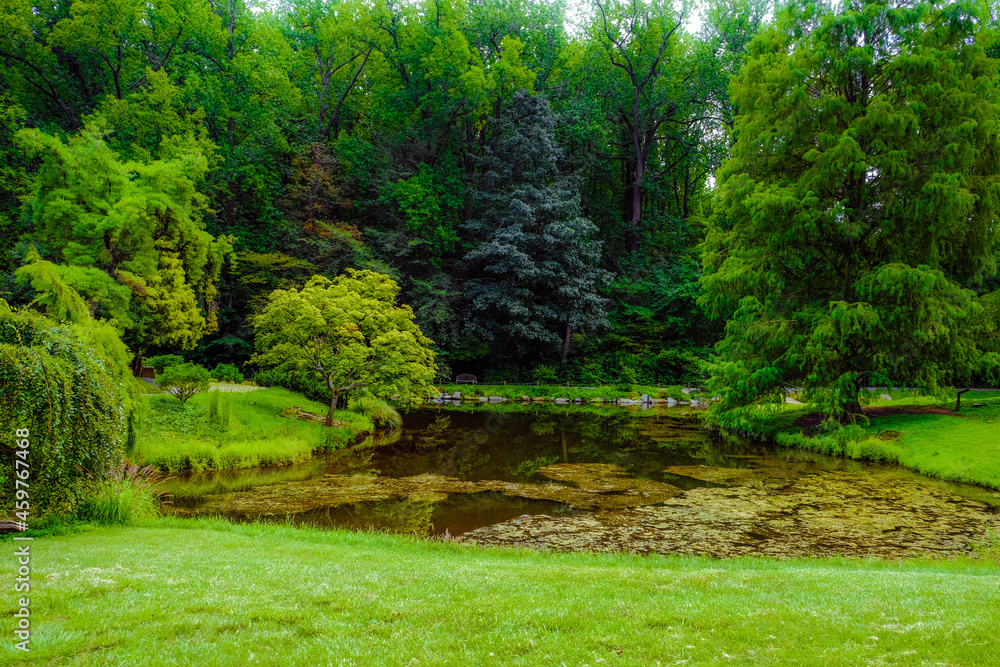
{"points": [[206, 592]]}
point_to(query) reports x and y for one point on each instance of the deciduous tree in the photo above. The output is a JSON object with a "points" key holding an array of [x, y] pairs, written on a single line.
{"points": [[862, 188], [350, 333]]}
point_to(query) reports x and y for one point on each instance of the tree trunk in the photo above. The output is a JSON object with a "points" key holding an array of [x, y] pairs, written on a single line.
{"points": [[566, 342], [852, 408], [333, 407]]}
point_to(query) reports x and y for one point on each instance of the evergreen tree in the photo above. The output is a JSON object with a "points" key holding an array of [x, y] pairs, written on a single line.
{"points": [[534, 276]]}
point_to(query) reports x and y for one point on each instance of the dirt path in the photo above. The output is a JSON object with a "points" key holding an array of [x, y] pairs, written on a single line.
{"points": [[816, 418]]}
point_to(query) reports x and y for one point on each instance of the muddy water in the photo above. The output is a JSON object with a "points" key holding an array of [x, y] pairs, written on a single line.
{"points": [[574, 478]]}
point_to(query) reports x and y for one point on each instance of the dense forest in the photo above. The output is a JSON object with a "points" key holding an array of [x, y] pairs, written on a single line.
{"points": [[594, 195]]}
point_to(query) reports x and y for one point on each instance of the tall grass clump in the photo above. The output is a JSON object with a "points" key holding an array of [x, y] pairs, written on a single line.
{"points": [[219, 409], [381, 413], [852, 441], [127, 494], [346, 429], [988, 547]]}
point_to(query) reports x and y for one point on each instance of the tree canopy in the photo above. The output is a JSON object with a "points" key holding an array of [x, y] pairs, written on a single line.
{"points": [[541, 180], [130, 234], [349, 333], [859, 203]]}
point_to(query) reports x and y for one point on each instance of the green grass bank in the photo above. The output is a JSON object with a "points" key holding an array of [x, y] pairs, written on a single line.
{"points": [[959, 447], [175, 592], [228, 430]]}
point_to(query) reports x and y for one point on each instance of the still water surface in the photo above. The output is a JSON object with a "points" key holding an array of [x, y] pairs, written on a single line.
{"points": [[575, 478]]}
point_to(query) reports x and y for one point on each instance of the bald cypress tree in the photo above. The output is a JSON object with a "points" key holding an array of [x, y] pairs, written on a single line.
{"points": [[861, 196]]}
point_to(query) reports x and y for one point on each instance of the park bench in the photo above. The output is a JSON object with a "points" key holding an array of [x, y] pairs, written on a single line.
{"points": [[148, 374], [465, 378]]}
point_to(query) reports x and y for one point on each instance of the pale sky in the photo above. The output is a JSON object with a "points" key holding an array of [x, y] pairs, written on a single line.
{"points": [[692, 25], [575, 8]]}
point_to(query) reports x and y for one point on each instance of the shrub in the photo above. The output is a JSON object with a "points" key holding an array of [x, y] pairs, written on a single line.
{"points": [[164, 361], [544, 374], [628, 375], [592, 374], [502, 374], [312, 388], [227, 373], [184, 380]]}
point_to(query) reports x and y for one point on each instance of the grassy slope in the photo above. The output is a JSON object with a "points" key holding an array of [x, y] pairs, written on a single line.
{"points": [[965, 449], [175, 437], [957, 448], [197, 593]]}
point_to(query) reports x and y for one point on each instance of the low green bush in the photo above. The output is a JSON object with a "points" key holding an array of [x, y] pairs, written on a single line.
{"points": [[163, 361], [545, 374], [227, 373], [183, 381]]}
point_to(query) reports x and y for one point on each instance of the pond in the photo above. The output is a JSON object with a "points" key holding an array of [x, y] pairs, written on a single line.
{"points": [[604, 479]]}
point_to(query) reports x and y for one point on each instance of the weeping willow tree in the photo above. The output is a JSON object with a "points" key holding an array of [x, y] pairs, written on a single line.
{"points": [[58, 384]]}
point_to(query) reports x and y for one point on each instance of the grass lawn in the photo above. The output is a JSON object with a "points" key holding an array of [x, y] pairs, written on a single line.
{"points": [[963, 449], [178, 592]]}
